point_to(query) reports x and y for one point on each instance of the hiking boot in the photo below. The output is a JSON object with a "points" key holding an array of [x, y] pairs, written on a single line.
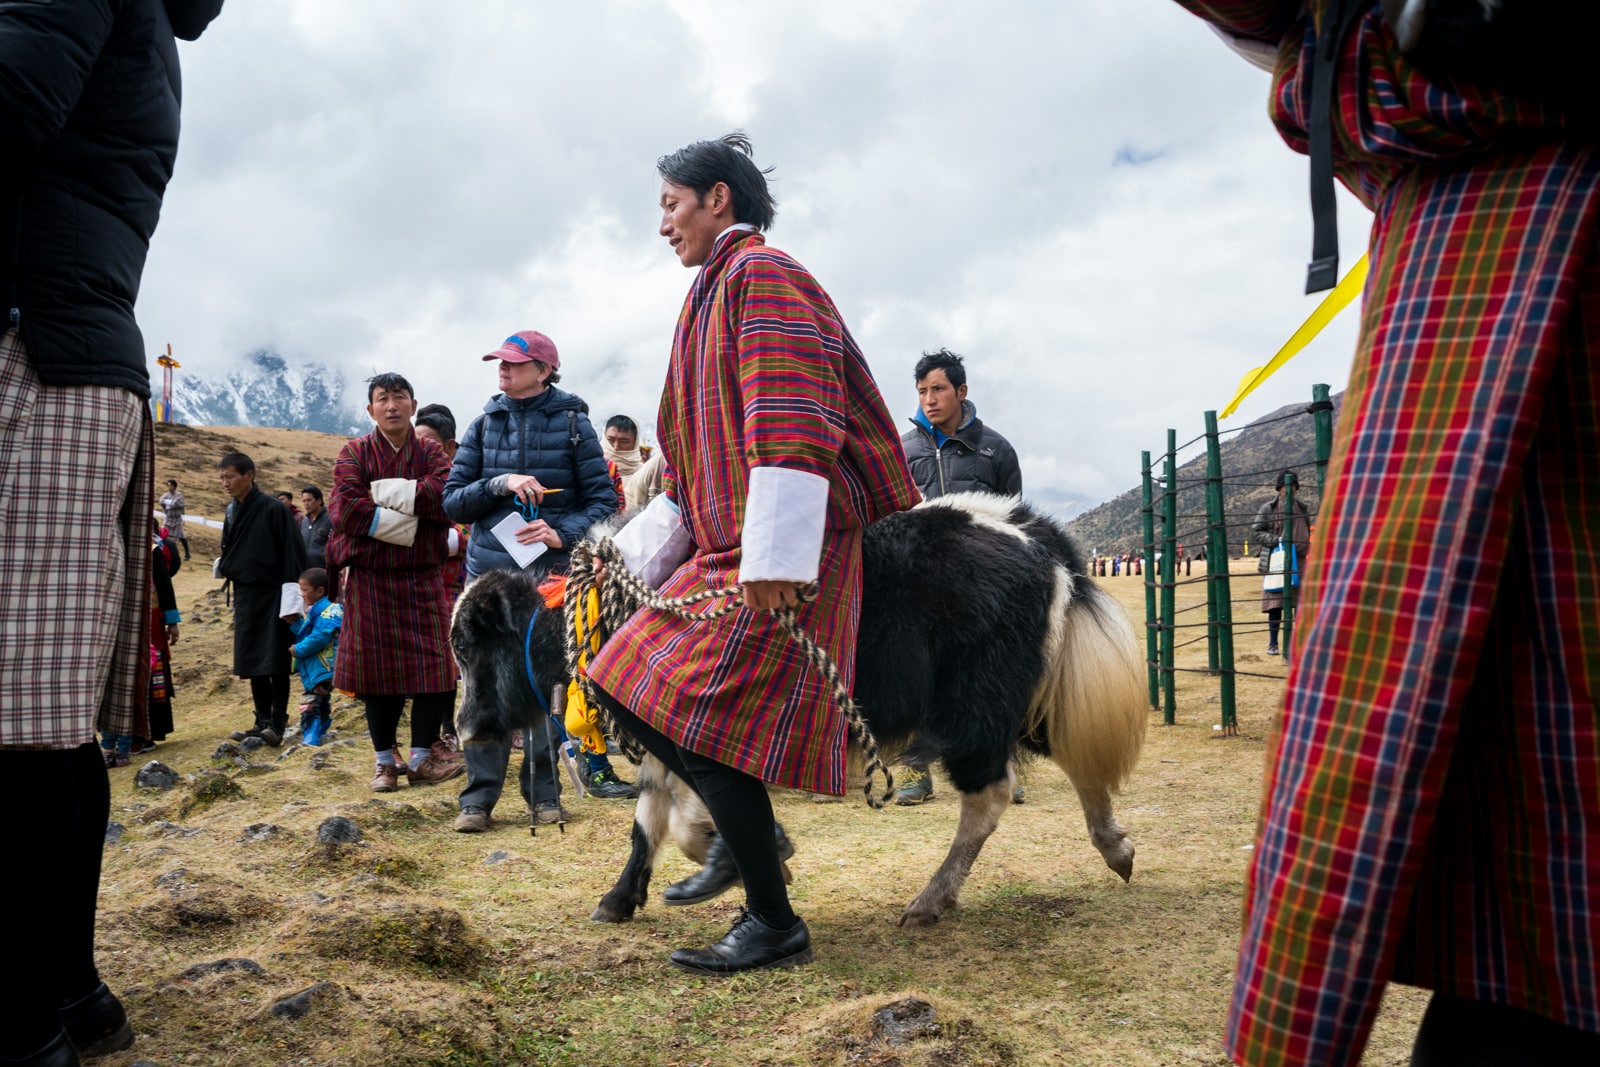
{"points": [[1018, 795], [115, 759], [386, 779], [749, 946], [549, 811], [432, 770], [473, 821], [240, 735], [915, 787], [605, 785], [96, 1024], [1272, 650], [271, 737], [446, 751]]}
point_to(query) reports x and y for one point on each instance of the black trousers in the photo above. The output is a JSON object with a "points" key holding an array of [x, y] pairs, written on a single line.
{"points": [[740, 807], [1470, 1033], [53, 880], [270, 694], [427, 710]]}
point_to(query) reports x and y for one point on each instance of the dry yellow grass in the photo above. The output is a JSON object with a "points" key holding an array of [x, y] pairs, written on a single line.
{"points": [[439, 948]]}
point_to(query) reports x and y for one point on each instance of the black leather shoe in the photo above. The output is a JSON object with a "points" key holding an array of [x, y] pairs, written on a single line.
{"points": [[751, 945], [58, 1053], [719, 874], [96, 1024]]}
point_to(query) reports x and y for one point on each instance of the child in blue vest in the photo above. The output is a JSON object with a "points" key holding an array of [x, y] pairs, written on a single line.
{"points": [[316, 638]]}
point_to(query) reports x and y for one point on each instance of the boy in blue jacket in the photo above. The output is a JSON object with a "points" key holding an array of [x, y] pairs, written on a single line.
{"points": [[316, 638]]}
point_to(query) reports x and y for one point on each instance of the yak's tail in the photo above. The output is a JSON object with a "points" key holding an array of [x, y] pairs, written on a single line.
{"points": [[1092, 703]]}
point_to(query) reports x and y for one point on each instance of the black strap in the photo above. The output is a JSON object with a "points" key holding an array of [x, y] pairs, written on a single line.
{"points": [[1323, 271]]}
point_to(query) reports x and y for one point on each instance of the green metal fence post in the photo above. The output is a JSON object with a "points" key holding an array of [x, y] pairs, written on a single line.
{"points": [[1217, 575], [1151, 625], [1169, 541], [1322, 420]]}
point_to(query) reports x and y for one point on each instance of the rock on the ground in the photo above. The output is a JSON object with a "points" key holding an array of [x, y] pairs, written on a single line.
{"points": [[155, 775], [497, 856], [114, 832], [338, 830], [222, 966], [261, 831], [905, 1021], [250, 744], [226, 750], [298, 1005]]}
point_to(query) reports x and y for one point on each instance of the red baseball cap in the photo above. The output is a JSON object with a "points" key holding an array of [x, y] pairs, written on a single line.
{"points": [[525, 346]]}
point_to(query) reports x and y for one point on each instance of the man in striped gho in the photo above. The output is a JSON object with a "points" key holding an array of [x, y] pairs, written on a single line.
{"points": [[779, 450]]}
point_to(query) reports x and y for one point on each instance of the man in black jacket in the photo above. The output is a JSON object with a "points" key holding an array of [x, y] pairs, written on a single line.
{"points": [[88, 134], [263, 555], [950, 451]]}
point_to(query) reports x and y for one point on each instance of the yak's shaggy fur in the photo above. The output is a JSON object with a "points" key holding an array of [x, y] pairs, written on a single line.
{"points": [[981, 640]]}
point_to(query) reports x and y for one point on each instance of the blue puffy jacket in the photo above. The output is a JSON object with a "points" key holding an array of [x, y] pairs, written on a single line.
{"points": [[316, 643], [547, 436]]}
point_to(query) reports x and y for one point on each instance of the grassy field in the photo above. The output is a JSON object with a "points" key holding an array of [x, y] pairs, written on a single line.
{"points": [[422, 946]]}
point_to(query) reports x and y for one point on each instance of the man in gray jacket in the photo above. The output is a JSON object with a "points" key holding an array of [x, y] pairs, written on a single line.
{"points": [[950, 451], [948, 448]]}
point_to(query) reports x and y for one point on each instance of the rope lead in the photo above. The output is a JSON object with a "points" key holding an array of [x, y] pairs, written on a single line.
{"points": [[622, 594]]}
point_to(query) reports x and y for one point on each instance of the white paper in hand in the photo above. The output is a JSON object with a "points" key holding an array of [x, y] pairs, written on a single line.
{"points": [[506, 531]]}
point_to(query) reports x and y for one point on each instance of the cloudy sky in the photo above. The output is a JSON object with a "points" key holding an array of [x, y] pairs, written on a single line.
{"points": [[1085, 198]]}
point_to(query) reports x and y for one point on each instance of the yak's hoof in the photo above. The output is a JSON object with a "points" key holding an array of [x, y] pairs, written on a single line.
{"points": [[1120, 859], [919, 914], [606, 913]]}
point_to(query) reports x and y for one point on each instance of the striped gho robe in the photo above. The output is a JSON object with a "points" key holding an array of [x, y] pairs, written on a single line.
{"points": [[779, 451], [396, 637], [1431, 813]]}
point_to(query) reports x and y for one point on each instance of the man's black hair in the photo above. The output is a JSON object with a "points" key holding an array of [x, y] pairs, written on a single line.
{"points": [[173, 482], [730, 160], [1287, 476], [389, 382], [623, 423], [945, 360], [312, 491], [438, 418], [240, 462]]}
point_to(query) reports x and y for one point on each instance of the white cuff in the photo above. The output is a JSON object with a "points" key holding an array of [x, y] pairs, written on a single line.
{"points": [[654, 542], [784, 516], [1258, 54], [290, 603], [452, 542], [395, 528], [397, 493]]}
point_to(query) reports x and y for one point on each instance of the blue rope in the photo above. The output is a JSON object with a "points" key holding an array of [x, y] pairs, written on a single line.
{"points": [[527, 661]]}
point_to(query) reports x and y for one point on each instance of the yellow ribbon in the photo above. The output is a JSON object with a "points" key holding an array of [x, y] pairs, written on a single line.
{"points": [[583, 722], [1331, 305]]}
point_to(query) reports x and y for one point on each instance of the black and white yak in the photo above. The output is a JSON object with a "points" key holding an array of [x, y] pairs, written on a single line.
{"points": [[981, 640]]}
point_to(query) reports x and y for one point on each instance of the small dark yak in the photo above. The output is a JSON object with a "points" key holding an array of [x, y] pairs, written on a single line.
{"points": [[981, 640]]}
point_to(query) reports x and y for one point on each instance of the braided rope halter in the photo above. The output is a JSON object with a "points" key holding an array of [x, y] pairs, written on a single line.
{"points": [[621, 594]]}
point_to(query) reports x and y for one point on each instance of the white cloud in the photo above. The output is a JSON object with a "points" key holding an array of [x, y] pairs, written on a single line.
{"points": [[1085, 199]]}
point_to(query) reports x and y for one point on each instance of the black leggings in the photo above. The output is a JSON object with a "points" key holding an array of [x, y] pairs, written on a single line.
{"points": [[270, 694], [1471, 1033], [53, 879], [427, 711], [740, 807]]}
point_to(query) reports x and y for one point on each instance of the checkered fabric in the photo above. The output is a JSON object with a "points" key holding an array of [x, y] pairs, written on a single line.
{"points": [[76, 483], [1432, 810]]}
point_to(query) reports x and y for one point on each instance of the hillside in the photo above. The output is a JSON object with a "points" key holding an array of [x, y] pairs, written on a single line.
{"points": [[285, 460], [1251, 459]]}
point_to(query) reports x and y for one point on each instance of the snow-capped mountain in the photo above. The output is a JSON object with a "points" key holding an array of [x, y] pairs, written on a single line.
{"points": [[267, 390]]}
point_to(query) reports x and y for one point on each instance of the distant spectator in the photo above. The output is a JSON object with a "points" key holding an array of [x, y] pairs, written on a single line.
{"points": [[389, 529], [172, 508], [315, 650], [263, 556], [950, 451], [436, 423], [1269, 531], [315, 525], [624, 455], [288, 502]]}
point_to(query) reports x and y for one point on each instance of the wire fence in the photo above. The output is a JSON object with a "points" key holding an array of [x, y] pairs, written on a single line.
{"points": [[1217, 531]]}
